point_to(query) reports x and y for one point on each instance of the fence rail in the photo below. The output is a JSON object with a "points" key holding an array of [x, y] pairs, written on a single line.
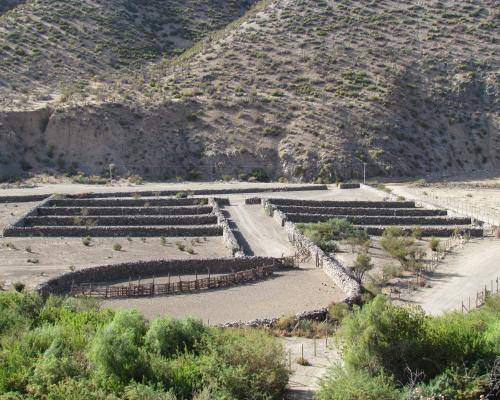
{"points": [[170, 288]]}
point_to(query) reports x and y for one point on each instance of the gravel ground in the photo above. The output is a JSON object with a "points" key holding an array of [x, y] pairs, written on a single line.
{"points": [[287, 292]]}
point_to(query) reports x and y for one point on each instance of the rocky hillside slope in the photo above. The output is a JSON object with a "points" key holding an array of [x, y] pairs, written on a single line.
{"points": [[71, 44], [305, 90]]}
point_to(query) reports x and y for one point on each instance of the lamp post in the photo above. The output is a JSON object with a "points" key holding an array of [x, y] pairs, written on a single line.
{"points": [[364, 173]]}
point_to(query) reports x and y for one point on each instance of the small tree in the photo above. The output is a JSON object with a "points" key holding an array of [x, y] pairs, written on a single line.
{"points": [[361, 266]]}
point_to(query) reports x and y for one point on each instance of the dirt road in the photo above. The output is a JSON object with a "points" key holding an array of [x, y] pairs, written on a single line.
{"points": [[259, 234], [464, 273]]}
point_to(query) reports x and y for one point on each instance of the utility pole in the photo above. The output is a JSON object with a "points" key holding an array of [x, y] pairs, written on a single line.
{"points": [[364, 173]]}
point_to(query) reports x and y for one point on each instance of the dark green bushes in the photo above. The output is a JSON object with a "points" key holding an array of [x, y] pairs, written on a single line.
{"points": [[68, 349], [325, 234], [388, 346]]}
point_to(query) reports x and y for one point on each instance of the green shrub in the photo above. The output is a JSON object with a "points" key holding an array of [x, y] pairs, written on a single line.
{"points": [[116, 349], [168, 336], [246, 363], [338, 311], [324, 234], [361, 266], [69, 349], [384, 337], [357, 385], [434, 244]]}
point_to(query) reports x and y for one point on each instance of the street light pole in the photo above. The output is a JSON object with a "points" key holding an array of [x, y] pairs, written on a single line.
{"points": [[364, 173]]}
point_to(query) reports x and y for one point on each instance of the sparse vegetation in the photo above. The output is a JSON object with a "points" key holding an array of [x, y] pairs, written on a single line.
{"points": [[325, 234]]}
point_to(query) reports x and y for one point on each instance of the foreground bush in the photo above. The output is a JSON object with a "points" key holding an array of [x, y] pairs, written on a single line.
{"points": [[68, 349], [397, 348]]}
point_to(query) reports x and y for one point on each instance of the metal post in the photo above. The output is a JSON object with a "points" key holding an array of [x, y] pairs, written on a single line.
{"points": [[315, 347], [364, 173], [302, 351], [290, 359]]}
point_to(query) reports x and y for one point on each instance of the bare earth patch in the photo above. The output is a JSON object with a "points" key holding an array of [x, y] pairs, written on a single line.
{"points": [[33, 260], [286, 293]]}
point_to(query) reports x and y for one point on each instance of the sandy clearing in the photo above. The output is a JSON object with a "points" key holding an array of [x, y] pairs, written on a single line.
{"points": [[288, 292], [463, 274], [54, 256]]}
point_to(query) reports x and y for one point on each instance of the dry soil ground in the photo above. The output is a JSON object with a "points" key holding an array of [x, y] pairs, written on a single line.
{"points": [[286, 293]]}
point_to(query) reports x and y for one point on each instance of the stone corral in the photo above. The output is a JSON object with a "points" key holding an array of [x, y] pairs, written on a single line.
{"points": [[374, 216], [114, 217], [148, 269]]}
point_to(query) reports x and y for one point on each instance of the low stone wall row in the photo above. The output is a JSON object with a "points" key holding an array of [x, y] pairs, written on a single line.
{"points": [[130, 220], [332, 267], [148, 269], [395, 212], [429, 231], [253, 200], [201, 192], [349, 185], [345, 204], [108, 211], [126, 202], [23, 199], [379, 220], [114, 231], [227, 233], [313, 315]]}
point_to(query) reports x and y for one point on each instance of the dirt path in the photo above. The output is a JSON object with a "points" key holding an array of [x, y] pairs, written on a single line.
{"points": [[305, 380], [464, 273], [259, 234]]}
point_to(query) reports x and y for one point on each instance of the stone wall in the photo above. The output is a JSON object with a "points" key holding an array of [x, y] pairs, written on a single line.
{"points": [[349, 185], [202, 192], [23, 199], [140, 202], [227, 234], [421, 212], [97, 211], [115, 231], [313, 315], [252, 200], [333, 203], [380, 220], [136, 220], [437, 231], [332, 267], [147, 269]]}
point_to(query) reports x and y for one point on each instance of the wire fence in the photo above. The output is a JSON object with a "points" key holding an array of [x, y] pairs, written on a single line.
{"points": [[458, 206], [473, 302]]}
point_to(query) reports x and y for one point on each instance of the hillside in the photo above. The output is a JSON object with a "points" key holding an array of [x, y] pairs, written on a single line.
{"points": [[302, 89], [71, 44]]}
